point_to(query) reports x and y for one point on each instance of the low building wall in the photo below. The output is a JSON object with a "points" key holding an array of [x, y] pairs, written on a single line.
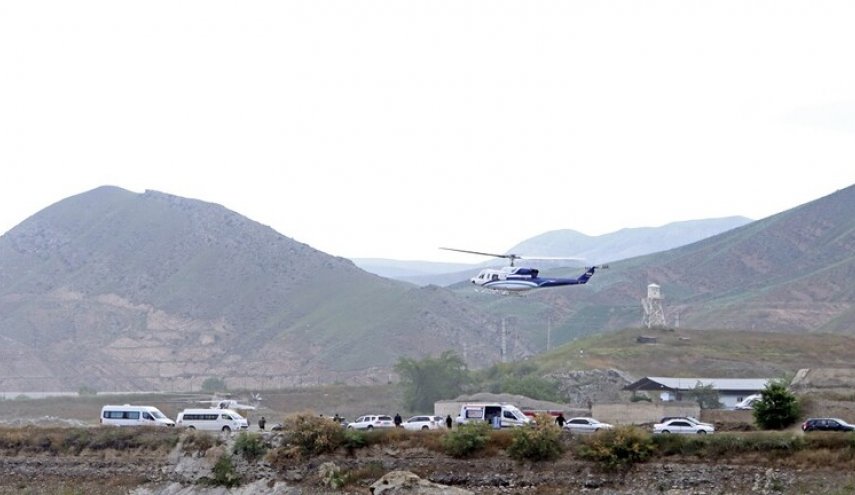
{"points": [[636, 413], [725, 416]]}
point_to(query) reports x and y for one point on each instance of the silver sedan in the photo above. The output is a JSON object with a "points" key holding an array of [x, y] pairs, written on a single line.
{"points": [[585, 425]]}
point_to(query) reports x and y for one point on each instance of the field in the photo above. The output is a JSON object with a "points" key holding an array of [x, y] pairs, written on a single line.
{"points": [[348, 401]]}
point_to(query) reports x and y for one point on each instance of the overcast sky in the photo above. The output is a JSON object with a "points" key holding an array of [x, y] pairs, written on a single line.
{"points": [[389, 128]]}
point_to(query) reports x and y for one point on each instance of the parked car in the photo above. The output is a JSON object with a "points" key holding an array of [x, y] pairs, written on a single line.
{"points": [[370, 422], [690, 419], [585, 425], [424, 423], [748, 402], [826, 424], [682, 426]]}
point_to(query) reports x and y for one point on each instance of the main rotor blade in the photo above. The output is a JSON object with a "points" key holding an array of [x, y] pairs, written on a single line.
{"points": [[508, 256], [549, 258]]}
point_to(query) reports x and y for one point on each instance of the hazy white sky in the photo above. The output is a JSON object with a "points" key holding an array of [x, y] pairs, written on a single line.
{"points": [[389, 128]]}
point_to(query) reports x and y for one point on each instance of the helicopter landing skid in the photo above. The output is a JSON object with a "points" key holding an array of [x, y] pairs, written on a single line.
{"points": [[499, 292]]}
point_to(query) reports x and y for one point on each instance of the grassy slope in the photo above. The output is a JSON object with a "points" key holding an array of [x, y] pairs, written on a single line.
{"points": [[704, 353]]}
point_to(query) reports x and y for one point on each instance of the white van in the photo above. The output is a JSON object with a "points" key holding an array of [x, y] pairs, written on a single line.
{"points": [[225, 420], [128, 415], [498, 415]]}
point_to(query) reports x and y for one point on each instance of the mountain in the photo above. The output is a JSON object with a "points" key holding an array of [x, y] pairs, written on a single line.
{"points": [[407, 269], [623, 244], [117, 290], [791, 272]]}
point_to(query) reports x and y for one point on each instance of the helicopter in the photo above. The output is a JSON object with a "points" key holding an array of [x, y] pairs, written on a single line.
{"points": [[228, 403], [515, 279]]}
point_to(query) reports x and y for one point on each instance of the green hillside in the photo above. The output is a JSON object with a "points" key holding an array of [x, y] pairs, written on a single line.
{"points": [[702, 353]]}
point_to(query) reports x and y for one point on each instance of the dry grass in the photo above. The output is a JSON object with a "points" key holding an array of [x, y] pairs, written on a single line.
{"points": [[77, 440]]}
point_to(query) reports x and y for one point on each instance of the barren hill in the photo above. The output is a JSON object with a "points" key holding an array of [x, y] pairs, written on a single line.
{"points": [[117, 290]]}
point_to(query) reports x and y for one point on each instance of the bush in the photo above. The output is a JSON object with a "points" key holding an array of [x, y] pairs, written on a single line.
{"points": [[224, 472], [353, 439], [539, 442], [314, 435], [467, 439], [249, 445], [620, 447], [727, 444], [777, 408], [198, 441]]}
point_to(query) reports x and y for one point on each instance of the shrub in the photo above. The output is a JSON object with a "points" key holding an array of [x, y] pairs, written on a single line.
{"points": [[198, 441], [777, 408], [727, 444], [224, 472], [371, 471], [539, 442], [620, 447], [249, 445], [467, 439], [332, 476], [353, 439], [314, 435]]}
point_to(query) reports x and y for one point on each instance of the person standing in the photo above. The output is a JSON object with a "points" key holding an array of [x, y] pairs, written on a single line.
{"points": [[261, 423], [398, 420], [448, 422], [560, 420]]}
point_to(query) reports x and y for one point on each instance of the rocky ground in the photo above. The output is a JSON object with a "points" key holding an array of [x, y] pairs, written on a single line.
{"points": [[186, 474]]}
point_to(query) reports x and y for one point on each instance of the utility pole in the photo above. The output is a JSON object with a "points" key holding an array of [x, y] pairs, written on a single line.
{"points": [[504, 342]]}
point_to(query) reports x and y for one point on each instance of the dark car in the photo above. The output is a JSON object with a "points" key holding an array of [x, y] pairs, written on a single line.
{"points": [[826, 424]]}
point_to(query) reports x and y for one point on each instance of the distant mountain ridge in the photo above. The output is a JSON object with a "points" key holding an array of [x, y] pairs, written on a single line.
{"points": [[790, 272], [626, 243], [114, 289], [615, 246]]}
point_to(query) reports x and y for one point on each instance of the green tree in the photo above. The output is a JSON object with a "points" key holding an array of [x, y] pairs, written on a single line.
{"points": [[777, 408], [706, 396], [431, 379]]}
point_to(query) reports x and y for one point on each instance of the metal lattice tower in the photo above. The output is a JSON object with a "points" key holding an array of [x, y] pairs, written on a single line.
{"points": [[654, 314]]}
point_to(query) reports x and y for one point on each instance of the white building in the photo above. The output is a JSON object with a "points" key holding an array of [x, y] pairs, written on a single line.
{"points": [[731, 391]]}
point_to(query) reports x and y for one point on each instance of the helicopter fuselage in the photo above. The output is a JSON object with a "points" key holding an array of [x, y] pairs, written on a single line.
{"points": [[519, 279]]}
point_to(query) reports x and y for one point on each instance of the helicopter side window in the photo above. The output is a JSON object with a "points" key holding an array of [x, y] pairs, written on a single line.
{"points": [[495, 276]]}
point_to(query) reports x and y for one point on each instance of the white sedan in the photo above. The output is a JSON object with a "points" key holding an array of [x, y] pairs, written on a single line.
{"points": [[585, 425], [370, 422], [417, 423], [682, 426]]}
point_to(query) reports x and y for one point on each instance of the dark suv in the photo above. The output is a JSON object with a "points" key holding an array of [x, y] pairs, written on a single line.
{"points": [[826, 424]]}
